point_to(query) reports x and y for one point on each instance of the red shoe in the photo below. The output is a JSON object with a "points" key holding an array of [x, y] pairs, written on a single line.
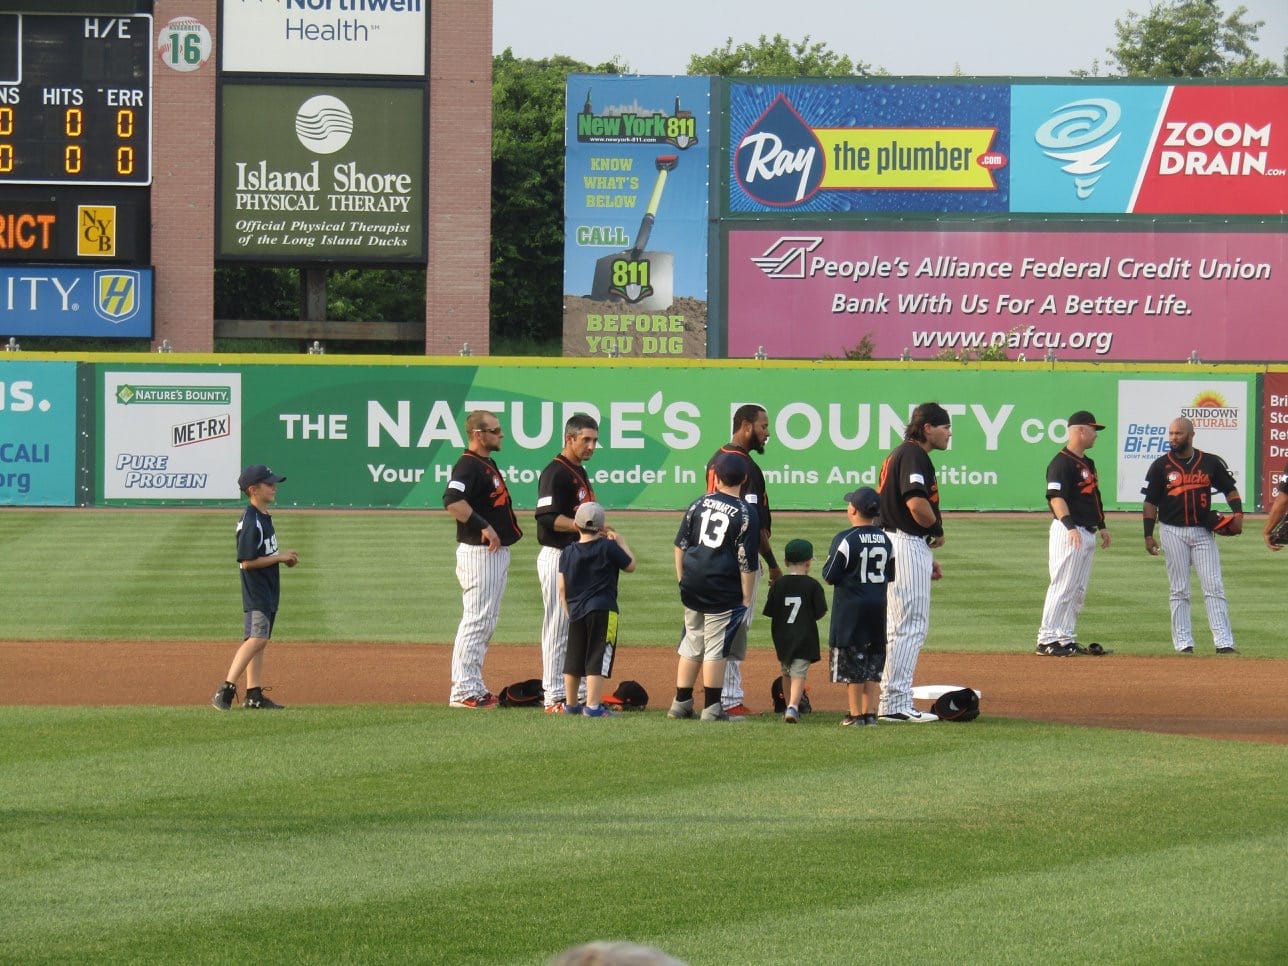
{"points": [[478, 702], [740, 710], [556, 708]]}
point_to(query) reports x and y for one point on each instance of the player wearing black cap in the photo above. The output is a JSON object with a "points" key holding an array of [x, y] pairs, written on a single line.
{"points": [[715, 563], [909, 496], [1073, 493], [750, 434], [258, 559]]}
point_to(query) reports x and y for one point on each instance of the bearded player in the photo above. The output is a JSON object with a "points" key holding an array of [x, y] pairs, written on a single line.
{"points": [[1178, 496], [750, 433]]}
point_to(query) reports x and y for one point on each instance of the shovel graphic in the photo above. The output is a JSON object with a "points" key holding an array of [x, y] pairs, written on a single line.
{"points": [[644, 280]]}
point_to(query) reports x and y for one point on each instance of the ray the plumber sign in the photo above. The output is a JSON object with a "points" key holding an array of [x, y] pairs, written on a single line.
{"points": [[313, 173]]}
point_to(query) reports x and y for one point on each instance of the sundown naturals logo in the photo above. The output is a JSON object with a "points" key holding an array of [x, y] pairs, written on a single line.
{"points": [[781, 160], [1209, 411]]}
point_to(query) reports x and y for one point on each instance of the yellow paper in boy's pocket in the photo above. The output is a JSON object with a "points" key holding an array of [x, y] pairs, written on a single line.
{"points": [[611, 636]]}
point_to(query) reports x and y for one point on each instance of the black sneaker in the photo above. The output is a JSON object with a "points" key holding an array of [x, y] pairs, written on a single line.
{"points": [[224, 697], [1054, 649], [1227, 650], [255, 698]]}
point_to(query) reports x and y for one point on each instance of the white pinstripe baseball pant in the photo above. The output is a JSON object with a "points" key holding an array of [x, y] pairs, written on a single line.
{"points": [[1070, 569], [1183, 546], [907, 619], [482, 574], [554, 628], [731, 696]]}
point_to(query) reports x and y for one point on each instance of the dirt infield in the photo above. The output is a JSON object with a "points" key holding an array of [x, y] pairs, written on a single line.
{"points": [[1217, 697]]}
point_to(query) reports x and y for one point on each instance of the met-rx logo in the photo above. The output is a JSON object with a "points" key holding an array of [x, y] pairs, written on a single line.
{"points": [[201, 430], [116, 295], [779, 160]]}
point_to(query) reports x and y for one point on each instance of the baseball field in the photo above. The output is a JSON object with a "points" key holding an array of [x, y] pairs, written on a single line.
{"points": [[1124, 809]]}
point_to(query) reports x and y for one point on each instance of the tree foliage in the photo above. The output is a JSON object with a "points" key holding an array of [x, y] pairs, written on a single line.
{"points": [[777, 57], [1190, 38], [527, 193]]}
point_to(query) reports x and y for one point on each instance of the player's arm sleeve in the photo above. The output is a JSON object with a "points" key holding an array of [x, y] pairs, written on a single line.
{"points": [[457, 490], [548, 502], [1155, 487], [247, 541], [838, 559]]}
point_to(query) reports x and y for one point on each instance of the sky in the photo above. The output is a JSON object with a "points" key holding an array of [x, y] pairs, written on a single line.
{"points": [[1022, 38]]}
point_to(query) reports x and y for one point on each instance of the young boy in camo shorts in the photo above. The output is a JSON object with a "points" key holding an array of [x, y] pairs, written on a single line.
{"points": [[860, 565]]}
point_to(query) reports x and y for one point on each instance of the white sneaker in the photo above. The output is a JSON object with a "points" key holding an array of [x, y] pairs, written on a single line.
{"points": [[911, 716]]}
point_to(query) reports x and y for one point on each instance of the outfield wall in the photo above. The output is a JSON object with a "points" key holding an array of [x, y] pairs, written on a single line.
{"points": [[360, 432]]}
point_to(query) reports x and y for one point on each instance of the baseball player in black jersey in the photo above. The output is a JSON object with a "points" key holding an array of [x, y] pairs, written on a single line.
{"points": [[1073, 494], [562, 488], [477, 499], [259, 560], [1278, 510], [715, 563], [750, 433], [1178, 496], [909, 495]]}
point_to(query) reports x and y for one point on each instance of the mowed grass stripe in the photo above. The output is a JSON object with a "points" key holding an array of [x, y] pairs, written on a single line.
{"points": [[171, 575], [400, 834]]}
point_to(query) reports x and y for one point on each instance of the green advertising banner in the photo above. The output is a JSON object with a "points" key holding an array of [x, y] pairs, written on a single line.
{"points": [[388, 436], [314, 172]]}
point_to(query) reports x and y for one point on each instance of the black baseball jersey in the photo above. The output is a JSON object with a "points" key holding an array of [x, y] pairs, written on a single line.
{"points": [[476, 480], [906, 472], [562, 488], [719, 538], [753, 490], [1182, 489], [860, 565], [261, 587], [590, 572], [1074, 479], [794, 605]]}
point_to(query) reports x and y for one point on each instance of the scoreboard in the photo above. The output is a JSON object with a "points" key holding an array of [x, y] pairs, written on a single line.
{"points": [[75, 99]]}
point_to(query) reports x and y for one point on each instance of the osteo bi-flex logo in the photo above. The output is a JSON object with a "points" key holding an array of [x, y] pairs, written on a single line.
{"points": [[116, 295], [779, 160], [1081, 135]]}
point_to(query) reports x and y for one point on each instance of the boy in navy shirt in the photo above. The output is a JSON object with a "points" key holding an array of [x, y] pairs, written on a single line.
{"points": [[860, 565], [588, 572], [258, 557]]}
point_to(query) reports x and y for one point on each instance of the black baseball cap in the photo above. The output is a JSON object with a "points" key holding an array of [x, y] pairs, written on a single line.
{"points": [[865, 500], [730, 468], [1084, 418], [259, 473]]}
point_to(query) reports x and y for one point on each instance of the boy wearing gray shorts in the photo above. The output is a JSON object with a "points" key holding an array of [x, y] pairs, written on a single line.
{"points": [[794, 606]]}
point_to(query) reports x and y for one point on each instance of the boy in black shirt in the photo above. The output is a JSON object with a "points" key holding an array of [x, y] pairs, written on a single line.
{"points": [[860, 566], [258, 557], [794, 606]]}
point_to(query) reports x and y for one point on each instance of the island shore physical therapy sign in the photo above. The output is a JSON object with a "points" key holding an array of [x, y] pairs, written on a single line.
{"points": [[322, 131], [1097, 221]]}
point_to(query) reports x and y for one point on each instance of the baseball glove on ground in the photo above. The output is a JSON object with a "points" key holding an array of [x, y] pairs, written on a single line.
{"points": [[1278, 535], [1228, 525]]}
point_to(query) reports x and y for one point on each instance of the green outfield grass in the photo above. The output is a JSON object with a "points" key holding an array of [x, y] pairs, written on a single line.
{"points": [[418, 834], [171, 575]]}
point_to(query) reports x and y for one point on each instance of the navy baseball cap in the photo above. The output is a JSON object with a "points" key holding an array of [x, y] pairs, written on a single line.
{"points": [[259, 473], [1084, 418], [865, 500], [730, 468]]}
